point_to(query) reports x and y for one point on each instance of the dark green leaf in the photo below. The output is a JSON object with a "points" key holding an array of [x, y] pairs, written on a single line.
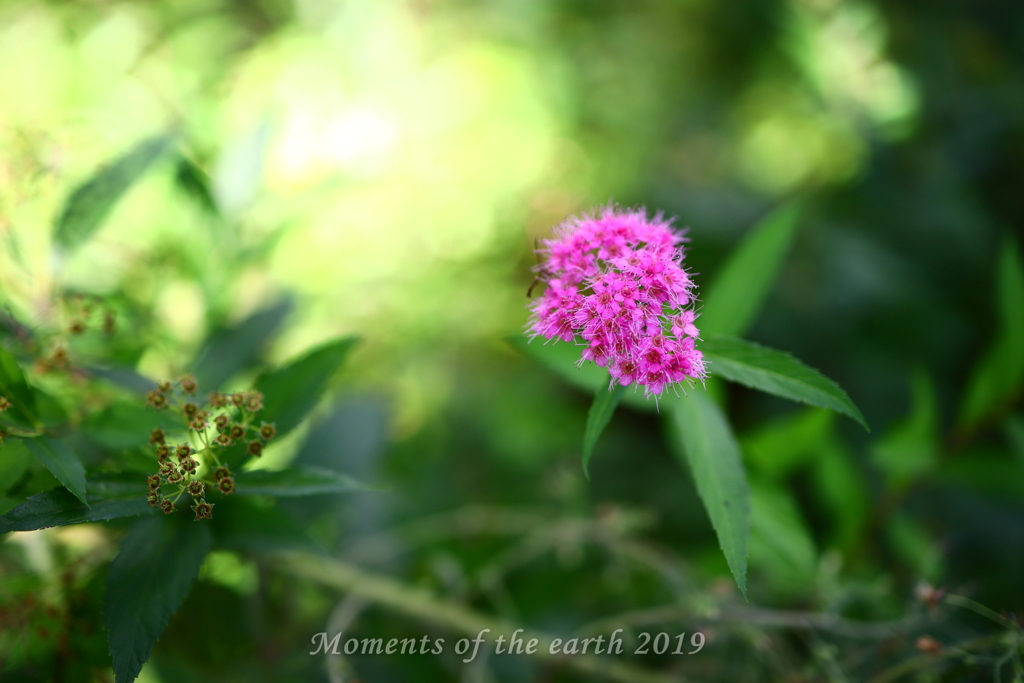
{"points": [[231, 349], [90, 203], [295, 481], [62, 462], [909, 448], [127, 425], [244, 524], [14, 461], [289, 393], [778, 373], [707, 444], [1000, 373], [734, 299], [780, 543], [195, 183], [154, 569], [14, 387], [110, 497], [601, 411]]}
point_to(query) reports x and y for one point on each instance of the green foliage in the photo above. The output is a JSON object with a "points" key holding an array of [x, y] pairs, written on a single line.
{"points": [[1000, 373], [909, 450], [601, 412], [705, 441], [295, 481], [736, 295], [90, 203], [228, 350], [780, 543], [14, 387], [154, 569], [778, 373], [62, 462], [110, 497]]}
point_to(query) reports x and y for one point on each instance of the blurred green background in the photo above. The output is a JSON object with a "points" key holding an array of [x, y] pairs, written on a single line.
{"points": [[384, 168]]}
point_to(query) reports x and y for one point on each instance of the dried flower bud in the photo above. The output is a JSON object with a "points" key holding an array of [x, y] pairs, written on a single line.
{"points": [[199, 424], [221, 472], [167, 506], [189, 465], [162, 451], [203, 510], [928, 645], [156, 399], [237, 432], [226, 485], [164, 387], [76, 327], [153, 481], [157, 436], [183, 451], [238, 399], [188, 384], [190, 410], [153, 498], [222, 421], [5, 403], [166, 469], [196, 489], [175, 477], [217, 399], [267, 431], [929, 596], [254, 401], [255, 448], [223, 440]]}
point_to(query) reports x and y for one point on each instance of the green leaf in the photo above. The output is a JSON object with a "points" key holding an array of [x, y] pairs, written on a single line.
{"points": [[734, 299], [289, 393], [15, 388], [90, 203], [777, 448], [248, 525], [295, 481], [909, 449], [62, 463], [601, 411], [709, 447], [1000, 373], [14, 461], [839, 486], [780, 543], [110, 497], [195, 183], [154, 569], [778, 373], [231, 349], [126, 425]]}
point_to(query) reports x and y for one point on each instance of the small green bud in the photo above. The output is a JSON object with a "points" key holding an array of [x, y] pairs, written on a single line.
{"points": [[226, 485], [237, 432], [203, 510], [196, 489], [267, 431], [255, 448], [167, 506]]}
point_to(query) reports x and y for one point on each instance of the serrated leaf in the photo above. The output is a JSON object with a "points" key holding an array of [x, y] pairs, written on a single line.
{"points": [[295, 481], [109, 497], [14, 387], [62, 463], [776, 372], [231, 349], [155, 567], [601, 411], [704, 440], [90, 203], [1000, 373], [734, 299]]}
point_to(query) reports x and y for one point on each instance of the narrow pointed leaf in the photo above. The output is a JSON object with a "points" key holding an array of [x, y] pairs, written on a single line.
{"points": [[601, 411], [62, 463], [1000, 373], [109, 498], [734, 299], [776, 372], [231, 349], [704, 439], [90, 203], [155, 567], [295, 481]]}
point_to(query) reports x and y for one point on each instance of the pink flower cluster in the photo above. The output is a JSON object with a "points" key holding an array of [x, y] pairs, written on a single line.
{"points": [[616, 281]]}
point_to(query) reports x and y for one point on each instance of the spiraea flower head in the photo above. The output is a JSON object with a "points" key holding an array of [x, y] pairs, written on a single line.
{"points": [[616, 286]]}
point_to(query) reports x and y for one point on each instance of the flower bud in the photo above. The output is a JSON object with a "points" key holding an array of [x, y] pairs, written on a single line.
{"points": [[222, 421], [156, 399], [196, 489], [188, 384], [166, 469], [199, 424], [203, 510], [221, 472], [237, 432], [76, 327], [223, 440], [5, 403], [267, 431], [175, 477], [162, 452], [183, 451], [164, 387], [153, 498], [189, 465], [218, 400], [167, 506], [153, 481], [226, 485], [157, 436], [190, 409], [238, 399], [254, 401], [255, 448]]}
